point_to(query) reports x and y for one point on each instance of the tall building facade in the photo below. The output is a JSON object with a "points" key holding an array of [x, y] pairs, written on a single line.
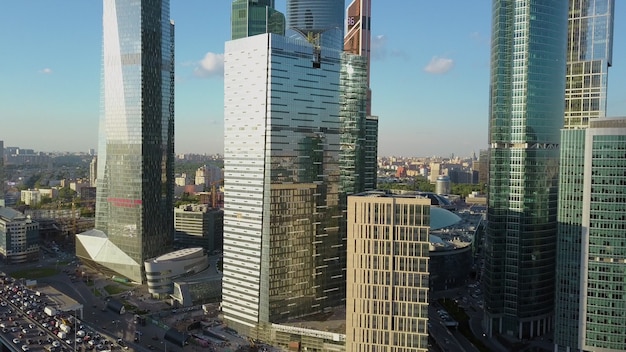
{"points": [[526, 113], [357, 41], [284, 253], [320, 21], [252, 17], [387, 271], [135, 185], [353, 99], [371, 153], [589, 58], [358, 38], [590, 309], [93, 171]]}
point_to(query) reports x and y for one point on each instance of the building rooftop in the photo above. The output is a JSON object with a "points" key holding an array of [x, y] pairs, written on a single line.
{"points": [[11, 214], [181, 253]]}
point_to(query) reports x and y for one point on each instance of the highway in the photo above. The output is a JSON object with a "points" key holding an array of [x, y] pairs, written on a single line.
{"points": [[8, 345]]}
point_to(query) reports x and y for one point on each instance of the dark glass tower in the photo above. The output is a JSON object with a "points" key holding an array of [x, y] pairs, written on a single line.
{"points": [[134, 217], [252, 17], [526, 113], [589, 54]]}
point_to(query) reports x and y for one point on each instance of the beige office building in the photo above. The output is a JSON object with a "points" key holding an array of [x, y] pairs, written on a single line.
{"points": [[387, 273]]}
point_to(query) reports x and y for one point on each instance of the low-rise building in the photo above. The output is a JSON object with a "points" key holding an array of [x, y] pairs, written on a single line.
{"points": [[30, 196], [19, 237], [198, 225], [163, 270]]}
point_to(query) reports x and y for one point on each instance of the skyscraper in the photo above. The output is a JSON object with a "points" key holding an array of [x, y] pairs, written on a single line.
{"points": [[357, 41], [134, 218], [358, 38], [589, 58], [284, 254], [319, 20], [526, 113], [252, 17], [387, 270], [93, 171]]}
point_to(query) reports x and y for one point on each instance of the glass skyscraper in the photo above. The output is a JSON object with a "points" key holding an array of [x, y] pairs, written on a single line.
{"points": [[134, 218], [526, 113], [591, 269], [357, 41], [310, 19], [284, 253], [589, 58], [252, 17]]}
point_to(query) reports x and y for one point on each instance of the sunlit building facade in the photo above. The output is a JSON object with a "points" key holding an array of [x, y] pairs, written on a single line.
{"points": [[526, 114], [360, 129], [589, 58], [19, 237], [135, 183], [284, 253], [387, 273], [358, 37]]}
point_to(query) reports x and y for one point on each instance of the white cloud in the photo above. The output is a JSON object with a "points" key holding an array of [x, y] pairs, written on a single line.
{"points": [[378, 47], [46, 71], [439, 65], [212, 65]]}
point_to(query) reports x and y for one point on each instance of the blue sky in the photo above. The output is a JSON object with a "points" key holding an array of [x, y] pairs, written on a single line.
{"points": [[430, 74]]}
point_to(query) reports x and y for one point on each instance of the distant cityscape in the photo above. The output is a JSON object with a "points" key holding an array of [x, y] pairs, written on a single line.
{"points": [[314, 241]]}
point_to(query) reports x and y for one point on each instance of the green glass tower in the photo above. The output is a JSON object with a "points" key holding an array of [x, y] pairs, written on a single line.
{"points": [[588, 60], [252, 17], [526, 114], [135, 181]]}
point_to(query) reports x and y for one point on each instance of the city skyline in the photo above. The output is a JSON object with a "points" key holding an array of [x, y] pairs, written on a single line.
{"points": [[52, 73]]}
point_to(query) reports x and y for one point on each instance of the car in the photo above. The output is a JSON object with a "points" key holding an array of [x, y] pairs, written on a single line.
{"points": [[56, 343], [150, 347], [16, 340], [25, 348]]}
